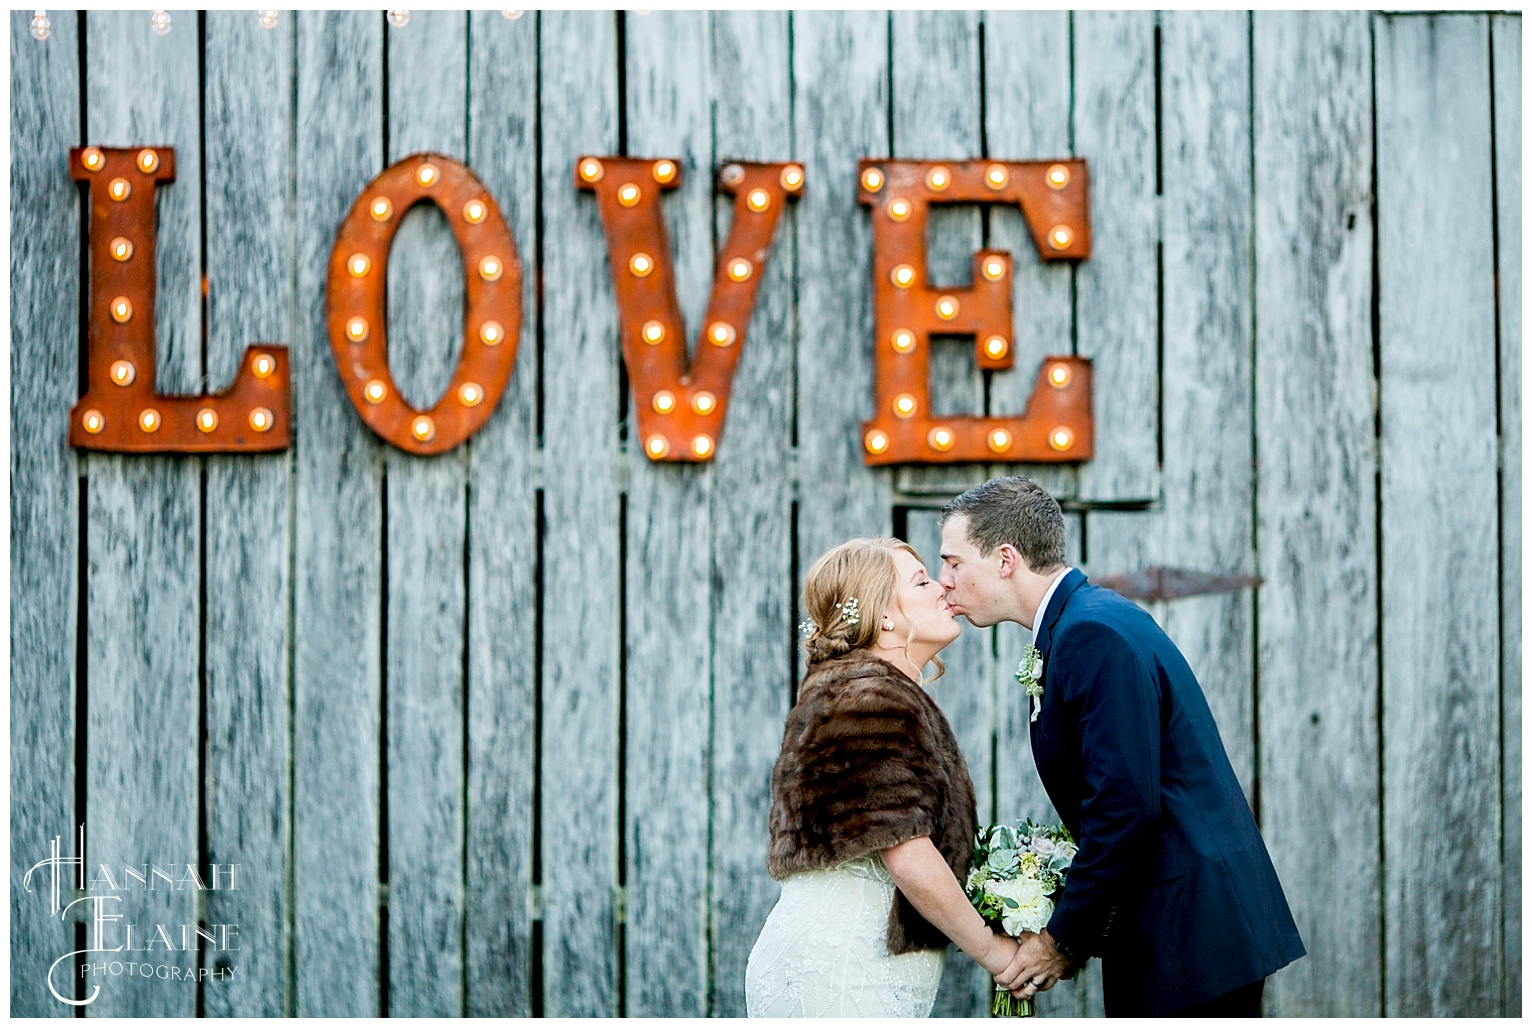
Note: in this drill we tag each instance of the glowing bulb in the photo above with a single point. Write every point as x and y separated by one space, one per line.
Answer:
591 170
994 268
995 346
1058 376
267 18
903 276
904 405
641 264
207 419
999 440
947 308
160 20
996 176
721 333
490 333
941 438
122 310
263 365
938 179
899 210
792 178
876 441
261 419
123 372
358 265
1061 439
121 248
92 159
663 171
381 209
653 333
357 330
119 190
703 403
740 269
758 200
148 160
657 446
490 268
149 419
513 15
1058 176
474 211
471 393
423 428
399 19
872 180
904 340
93 421
1060 237
664 401
375 392
41 27
426 175
702 445
629 195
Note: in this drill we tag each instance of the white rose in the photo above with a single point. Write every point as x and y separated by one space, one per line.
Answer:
1044 846
1033 907
1068 850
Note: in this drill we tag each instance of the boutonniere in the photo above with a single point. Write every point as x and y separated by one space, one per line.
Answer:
1030 674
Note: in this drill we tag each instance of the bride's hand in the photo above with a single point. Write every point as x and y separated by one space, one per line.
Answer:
1003 960
1009 977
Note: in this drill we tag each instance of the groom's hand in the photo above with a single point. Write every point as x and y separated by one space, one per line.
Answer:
1039 965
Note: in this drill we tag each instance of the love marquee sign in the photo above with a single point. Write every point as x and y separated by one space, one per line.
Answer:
681 404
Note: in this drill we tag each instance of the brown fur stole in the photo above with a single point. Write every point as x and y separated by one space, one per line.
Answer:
868 761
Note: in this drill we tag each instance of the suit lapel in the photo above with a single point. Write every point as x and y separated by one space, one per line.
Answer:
1042 638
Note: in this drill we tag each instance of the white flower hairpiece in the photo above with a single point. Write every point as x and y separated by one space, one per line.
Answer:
850 612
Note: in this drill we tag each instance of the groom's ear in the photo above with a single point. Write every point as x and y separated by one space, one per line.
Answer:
1010 559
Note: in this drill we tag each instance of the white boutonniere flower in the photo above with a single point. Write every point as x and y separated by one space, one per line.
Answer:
1030 674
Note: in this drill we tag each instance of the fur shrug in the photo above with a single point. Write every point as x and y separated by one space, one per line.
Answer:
868 761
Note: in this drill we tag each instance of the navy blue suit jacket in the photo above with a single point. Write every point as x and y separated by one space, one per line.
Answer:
1172 886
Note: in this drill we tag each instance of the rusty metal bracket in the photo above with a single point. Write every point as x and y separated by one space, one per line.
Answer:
1159 583
120 411
1058 425
681 406
356 315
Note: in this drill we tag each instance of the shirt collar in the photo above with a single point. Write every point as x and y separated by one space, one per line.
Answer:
1042 608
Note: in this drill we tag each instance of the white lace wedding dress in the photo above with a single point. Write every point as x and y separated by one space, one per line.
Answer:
822 951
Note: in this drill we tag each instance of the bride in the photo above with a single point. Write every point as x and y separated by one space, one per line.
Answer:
872 812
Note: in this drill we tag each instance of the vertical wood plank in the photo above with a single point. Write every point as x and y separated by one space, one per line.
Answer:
1208 481
1441 633
1026 117
250 269
1505 43
338 588
503 547
840 114
144 525
424 528
46 280
669 560
1117 290
753 636
581 597
1316 503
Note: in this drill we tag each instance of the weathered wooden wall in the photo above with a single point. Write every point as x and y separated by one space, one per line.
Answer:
490 733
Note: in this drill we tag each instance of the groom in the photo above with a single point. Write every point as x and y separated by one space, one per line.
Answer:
1172 886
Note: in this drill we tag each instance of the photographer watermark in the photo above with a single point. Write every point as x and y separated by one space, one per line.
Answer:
141 951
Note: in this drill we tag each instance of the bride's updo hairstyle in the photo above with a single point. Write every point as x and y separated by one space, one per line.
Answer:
859 570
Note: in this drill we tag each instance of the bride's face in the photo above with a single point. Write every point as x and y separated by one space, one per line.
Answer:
922 607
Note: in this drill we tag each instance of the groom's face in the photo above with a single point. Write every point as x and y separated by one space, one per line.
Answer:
971 579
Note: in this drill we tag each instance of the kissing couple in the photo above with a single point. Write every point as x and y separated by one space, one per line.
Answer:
873 818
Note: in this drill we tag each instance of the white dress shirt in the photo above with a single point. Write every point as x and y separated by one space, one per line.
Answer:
1042 608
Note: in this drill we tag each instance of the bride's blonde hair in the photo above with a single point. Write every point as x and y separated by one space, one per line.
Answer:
845 593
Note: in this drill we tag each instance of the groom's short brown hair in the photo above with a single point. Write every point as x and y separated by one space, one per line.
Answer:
1013 510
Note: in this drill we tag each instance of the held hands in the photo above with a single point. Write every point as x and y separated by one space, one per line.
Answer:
1036 967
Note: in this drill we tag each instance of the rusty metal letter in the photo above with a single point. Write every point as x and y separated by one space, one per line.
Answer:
356 314
120 412
1057 425
681 408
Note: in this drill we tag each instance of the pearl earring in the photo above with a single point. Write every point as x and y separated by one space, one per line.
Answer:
888 626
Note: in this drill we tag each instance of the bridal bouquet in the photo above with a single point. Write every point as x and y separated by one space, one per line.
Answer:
1017 872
